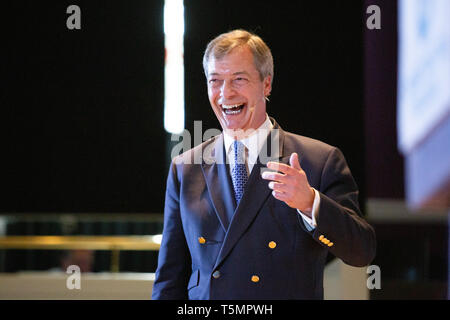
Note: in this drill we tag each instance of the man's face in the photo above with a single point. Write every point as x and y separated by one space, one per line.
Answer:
236 92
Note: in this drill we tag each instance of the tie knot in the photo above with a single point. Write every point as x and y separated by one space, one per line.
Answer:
239 152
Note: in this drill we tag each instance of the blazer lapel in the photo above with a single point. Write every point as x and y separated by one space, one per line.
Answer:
255 194
218 181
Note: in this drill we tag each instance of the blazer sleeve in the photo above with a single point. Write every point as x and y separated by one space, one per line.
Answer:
174 261
339 218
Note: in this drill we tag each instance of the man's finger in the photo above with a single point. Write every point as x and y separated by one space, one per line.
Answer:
294 162
280 196
278 186
275 176
286 169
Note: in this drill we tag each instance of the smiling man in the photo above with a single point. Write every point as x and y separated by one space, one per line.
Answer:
237 90
238 226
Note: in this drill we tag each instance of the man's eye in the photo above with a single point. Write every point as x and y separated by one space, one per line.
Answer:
214 81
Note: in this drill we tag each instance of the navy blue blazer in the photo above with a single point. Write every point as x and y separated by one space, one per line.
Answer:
265 251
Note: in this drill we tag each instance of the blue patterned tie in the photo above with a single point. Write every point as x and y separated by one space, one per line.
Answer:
239 170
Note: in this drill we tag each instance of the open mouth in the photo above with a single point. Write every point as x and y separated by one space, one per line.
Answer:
233 109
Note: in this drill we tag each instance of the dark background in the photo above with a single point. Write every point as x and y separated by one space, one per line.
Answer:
82 110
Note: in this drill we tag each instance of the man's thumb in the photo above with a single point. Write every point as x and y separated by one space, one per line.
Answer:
293 161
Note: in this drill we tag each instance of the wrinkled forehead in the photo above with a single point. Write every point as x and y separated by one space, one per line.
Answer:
236 61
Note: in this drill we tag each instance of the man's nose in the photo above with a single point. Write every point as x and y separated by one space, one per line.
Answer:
227 91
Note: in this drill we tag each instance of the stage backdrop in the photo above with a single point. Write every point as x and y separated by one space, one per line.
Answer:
82 110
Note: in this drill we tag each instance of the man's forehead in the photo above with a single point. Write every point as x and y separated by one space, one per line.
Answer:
225 66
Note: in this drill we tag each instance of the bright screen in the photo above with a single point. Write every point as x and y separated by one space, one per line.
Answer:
424 69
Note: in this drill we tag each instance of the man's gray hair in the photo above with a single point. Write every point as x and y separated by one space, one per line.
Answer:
224 43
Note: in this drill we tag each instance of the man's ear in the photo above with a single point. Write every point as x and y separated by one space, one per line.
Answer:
267 85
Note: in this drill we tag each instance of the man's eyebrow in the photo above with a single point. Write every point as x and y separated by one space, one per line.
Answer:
234 74
240 72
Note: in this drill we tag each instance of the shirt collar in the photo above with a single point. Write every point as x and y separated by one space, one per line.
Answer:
254 142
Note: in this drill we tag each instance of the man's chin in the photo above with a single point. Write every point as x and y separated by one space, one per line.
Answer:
231 124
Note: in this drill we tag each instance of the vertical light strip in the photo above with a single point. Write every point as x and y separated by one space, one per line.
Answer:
174 66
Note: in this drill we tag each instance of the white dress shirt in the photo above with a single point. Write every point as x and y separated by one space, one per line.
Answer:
254 143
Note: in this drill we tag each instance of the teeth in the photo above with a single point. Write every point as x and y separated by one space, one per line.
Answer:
230 106
232 112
